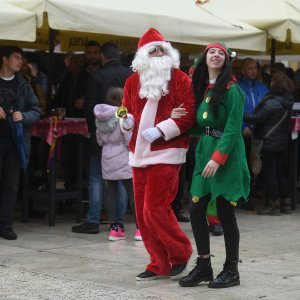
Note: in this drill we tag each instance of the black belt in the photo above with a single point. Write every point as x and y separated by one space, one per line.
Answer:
213 132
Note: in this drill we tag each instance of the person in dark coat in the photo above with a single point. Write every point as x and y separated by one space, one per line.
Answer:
18 103
274 151
93 64
66 90
112 74
73 91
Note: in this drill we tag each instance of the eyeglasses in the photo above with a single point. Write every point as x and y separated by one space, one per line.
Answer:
158 49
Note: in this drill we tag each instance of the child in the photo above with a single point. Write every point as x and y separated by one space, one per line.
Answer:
114 160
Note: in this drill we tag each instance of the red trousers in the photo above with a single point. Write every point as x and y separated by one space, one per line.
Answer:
155 188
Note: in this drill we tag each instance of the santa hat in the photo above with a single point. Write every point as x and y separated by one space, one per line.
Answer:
230 54
151 36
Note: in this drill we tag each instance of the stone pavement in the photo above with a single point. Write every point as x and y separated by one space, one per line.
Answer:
54 263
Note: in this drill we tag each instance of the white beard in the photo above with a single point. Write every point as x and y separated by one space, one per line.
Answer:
155 74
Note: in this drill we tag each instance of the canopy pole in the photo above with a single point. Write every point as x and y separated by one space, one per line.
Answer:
52 34
273 52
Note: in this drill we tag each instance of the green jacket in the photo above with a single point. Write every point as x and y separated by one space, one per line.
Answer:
232 180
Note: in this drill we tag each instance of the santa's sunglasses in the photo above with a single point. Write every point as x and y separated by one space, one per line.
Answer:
157 49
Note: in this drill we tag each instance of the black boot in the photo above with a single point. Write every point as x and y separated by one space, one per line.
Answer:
201 272
286 207
274 210
228 277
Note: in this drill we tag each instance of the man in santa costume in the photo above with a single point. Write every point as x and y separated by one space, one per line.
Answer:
157 149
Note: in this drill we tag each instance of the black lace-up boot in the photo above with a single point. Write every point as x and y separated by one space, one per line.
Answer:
201 272
228 277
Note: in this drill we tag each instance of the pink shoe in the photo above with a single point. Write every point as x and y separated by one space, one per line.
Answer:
116 233
137 236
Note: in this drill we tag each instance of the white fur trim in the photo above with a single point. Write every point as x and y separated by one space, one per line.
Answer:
142 147
143 155
169 129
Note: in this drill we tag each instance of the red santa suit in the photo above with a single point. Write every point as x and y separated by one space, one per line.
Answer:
156 165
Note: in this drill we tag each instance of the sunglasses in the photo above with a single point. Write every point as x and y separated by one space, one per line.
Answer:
158 49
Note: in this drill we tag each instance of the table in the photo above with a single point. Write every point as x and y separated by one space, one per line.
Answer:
45 128
295 129
51 129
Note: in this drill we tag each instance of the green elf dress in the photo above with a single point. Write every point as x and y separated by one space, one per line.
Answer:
232 179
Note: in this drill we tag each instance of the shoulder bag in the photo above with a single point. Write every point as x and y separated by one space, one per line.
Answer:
256 147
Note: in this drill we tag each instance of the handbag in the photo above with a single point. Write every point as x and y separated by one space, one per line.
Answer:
256 147
256 164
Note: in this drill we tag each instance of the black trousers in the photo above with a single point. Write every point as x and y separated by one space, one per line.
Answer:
274 172
9 180
226 215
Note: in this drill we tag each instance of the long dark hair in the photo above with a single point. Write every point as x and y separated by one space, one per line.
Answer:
281 84
200 81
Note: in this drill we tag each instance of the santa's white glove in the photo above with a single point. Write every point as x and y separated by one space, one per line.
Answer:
127 123
151 134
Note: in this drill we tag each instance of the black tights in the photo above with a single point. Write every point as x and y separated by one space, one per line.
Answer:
200 227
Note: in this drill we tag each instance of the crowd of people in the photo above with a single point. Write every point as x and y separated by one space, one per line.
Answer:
174 130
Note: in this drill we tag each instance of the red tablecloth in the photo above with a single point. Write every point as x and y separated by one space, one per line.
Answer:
295 124
47 129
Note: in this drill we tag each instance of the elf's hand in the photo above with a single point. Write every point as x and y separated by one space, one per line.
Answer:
210 169
151 134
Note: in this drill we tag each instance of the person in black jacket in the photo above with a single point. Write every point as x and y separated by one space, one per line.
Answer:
17 104
73 89
66 90
112 74
265 116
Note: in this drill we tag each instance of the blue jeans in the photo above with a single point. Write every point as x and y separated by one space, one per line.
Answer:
96 194
95 189
122 200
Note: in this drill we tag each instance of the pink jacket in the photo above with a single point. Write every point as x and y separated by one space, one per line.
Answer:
115 151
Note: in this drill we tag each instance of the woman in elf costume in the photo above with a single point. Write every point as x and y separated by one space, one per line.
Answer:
221 174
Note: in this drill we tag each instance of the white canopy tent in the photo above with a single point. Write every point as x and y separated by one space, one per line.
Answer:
16 23
278 18
273 16
179 21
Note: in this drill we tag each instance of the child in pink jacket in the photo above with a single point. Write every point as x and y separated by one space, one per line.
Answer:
114 160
